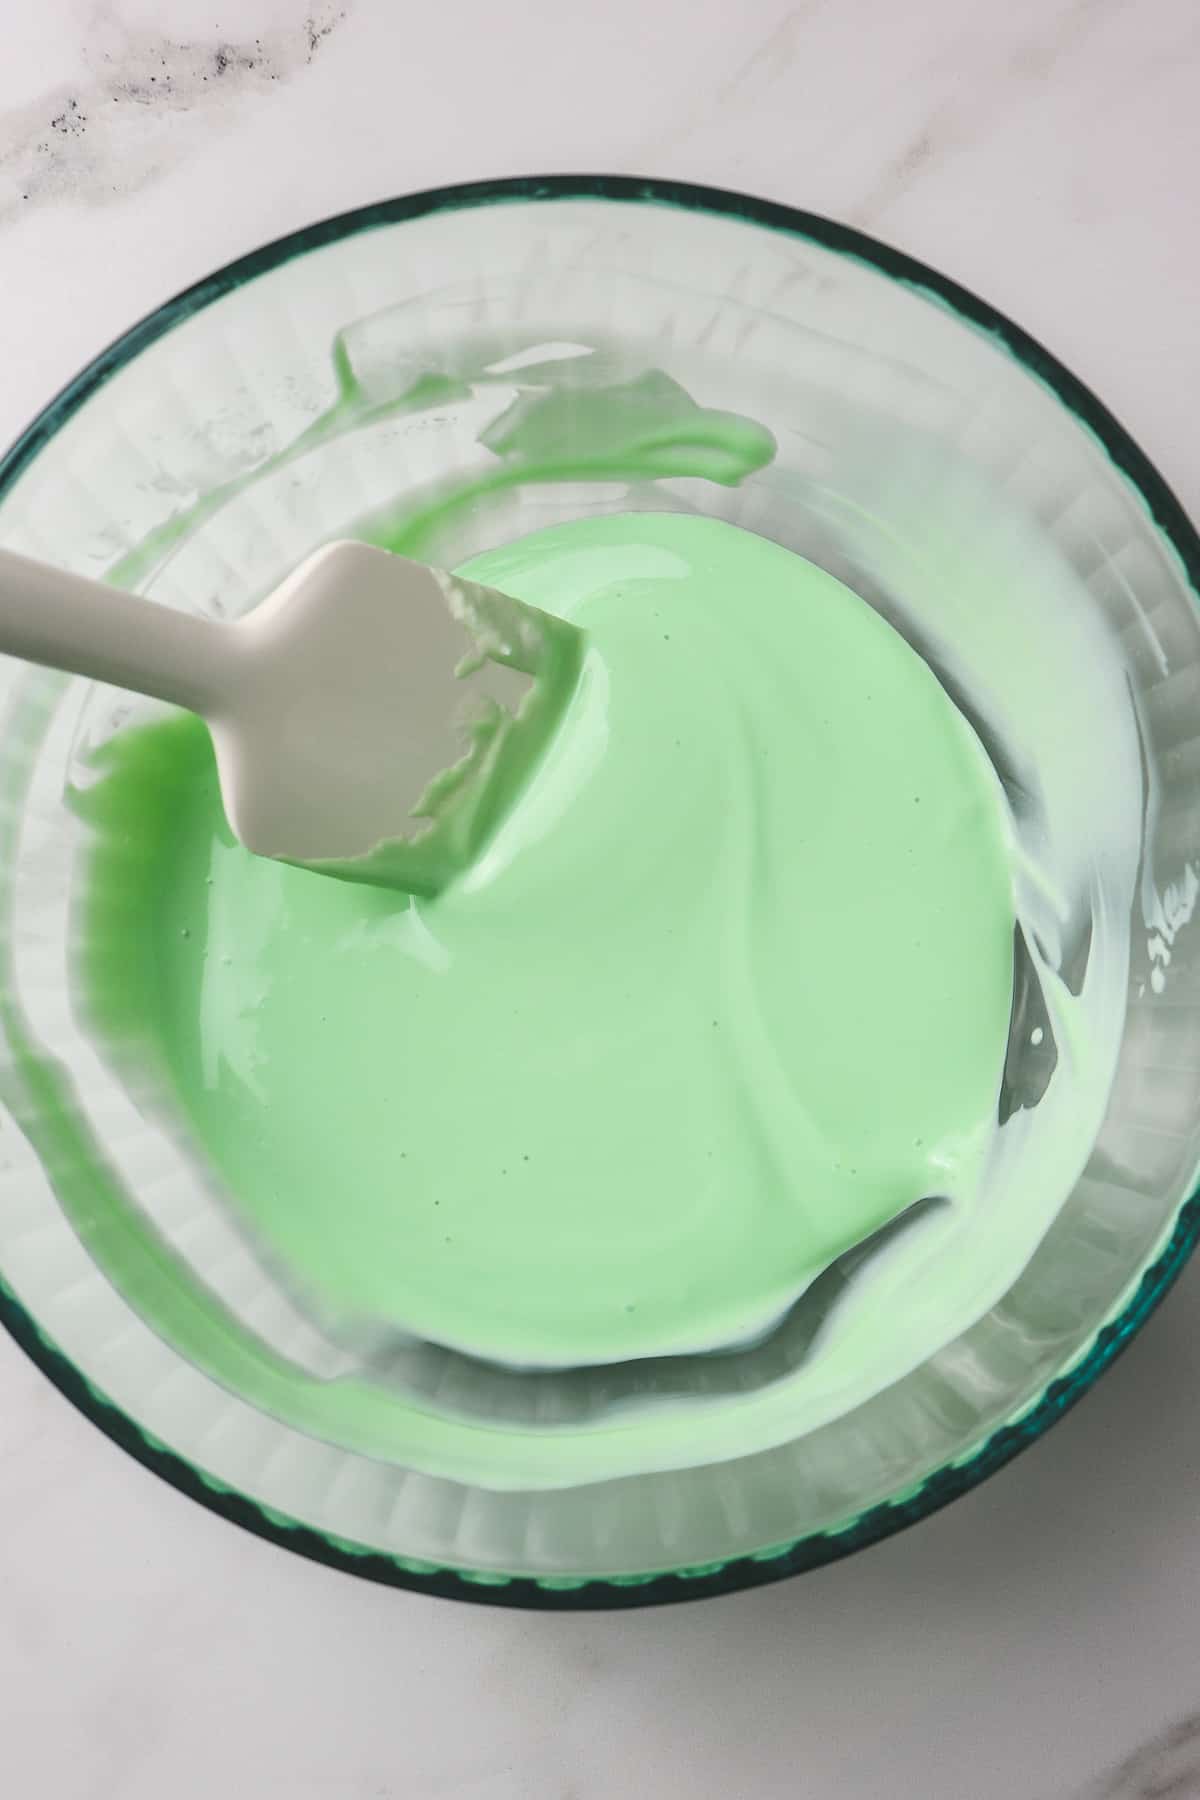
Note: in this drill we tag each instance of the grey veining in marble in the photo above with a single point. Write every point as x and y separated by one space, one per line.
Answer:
103 138
1165 1767
958 117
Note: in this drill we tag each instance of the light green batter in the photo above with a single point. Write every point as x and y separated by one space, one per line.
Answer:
729 990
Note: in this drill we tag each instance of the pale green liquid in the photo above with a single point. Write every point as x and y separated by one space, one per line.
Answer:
729 991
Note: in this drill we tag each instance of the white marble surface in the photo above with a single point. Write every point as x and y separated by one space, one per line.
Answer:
1042 1637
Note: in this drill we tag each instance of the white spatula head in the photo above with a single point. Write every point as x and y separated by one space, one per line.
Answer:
372 718
381 716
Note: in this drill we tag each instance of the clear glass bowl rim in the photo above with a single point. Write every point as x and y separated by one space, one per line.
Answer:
944 1484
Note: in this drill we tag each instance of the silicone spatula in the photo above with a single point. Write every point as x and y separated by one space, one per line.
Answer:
372 717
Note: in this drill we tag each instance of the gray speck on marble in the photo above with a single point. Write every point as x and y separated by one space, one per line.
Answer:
955 119
758 71
936 132
1035 59
769 59
127 121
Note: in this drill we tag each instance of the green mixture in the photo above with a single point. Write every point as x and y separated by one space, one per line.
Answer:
727 992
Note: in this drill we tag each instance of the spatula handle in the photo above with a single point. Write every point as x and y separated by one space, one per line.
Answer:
88 628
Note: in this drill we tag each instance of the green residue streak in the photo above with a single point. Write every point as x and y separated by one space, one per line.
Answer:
633 429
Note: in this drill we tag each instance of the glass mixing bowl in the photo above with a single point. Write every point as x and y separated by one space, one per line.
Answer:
413 370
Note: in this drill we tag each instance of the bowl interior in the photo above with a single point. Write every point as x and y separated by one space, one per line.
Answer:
443 376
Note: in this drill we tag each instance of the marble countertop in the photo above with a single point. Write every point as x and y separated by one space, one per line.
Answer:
1040 1638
